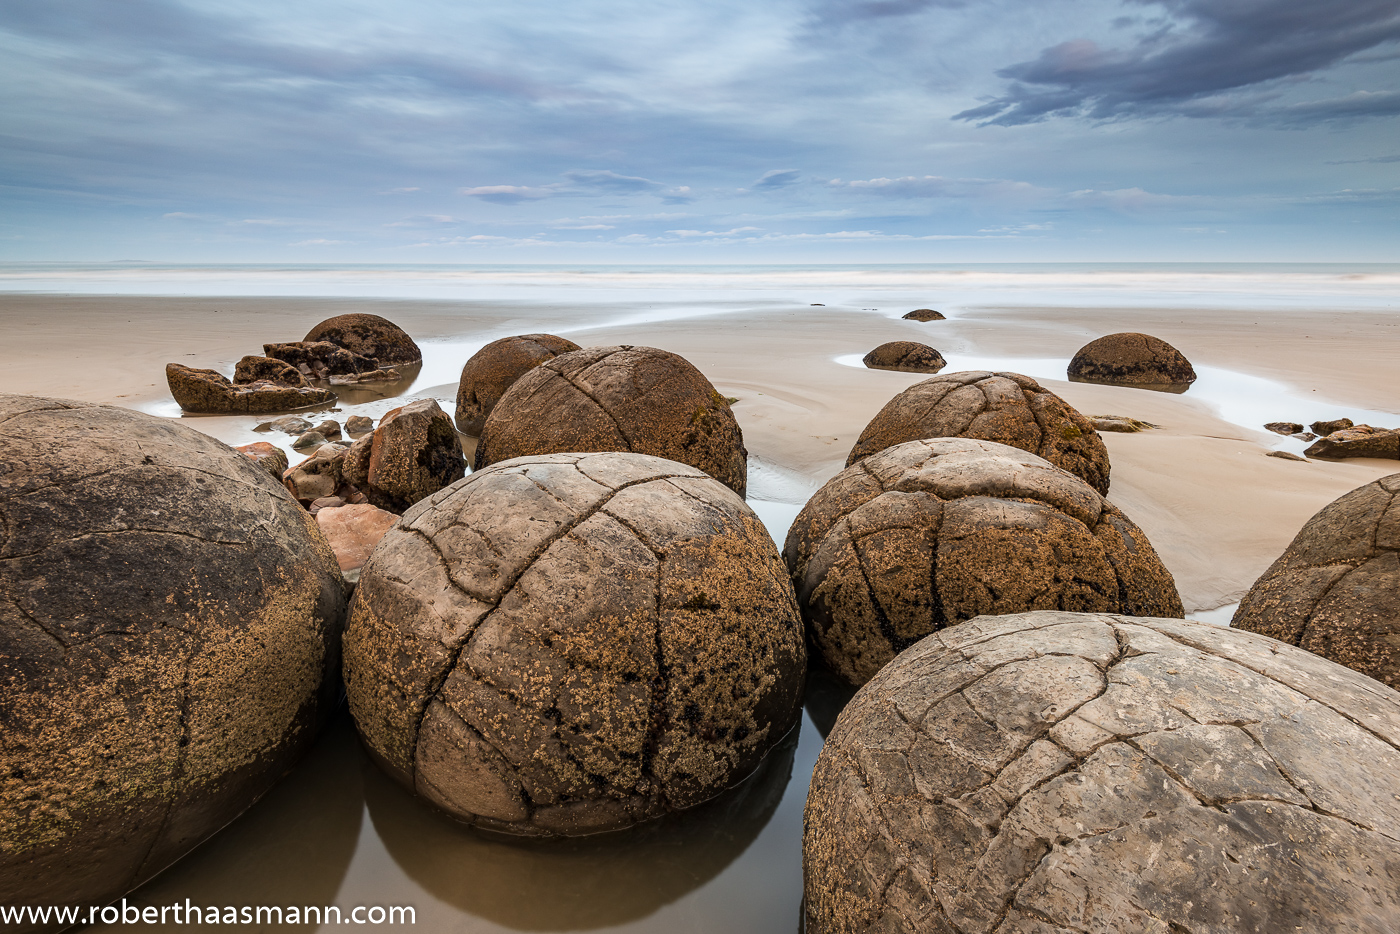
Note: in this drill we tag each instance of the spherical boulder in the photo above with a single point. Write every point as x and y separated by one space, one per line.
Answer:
622 398
907 356
1007 408
927 534
1053 772
494 368
924 314
574 643
370 336
169 636
1335 590
1131 359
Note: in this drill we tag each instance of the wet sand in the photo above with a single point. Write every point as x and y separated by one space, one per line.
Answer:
336 832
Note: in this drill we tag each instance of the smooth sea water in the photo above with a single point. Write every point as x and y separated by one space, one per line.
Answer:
336 831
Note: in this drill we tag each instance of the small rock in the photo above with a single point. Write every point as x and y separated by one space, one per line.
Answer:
287 424
267 456
1304 436
325 502
353 531
330 428
1287 455
359 425
309 441
372 376
319 475
905 356
1326 428
1119 423
1284 428
924 314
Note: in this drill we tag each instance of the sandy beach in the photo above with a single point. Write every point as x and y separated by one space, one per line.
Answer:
1216 508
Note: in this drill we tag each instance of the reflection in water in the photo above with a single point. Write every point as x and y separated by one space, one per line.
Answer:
581 883
826 696
291 848
1177 388
360 393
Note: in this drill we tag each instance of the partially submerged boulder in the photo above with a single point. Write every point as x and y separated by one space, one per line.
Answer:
324 360
379 339
257 369
1357 441
1335 590
287 424
1007 408
907 356
169 637
618 399
1132 359
413 453
1325 428
928 534
574 643
494 368
1054 772
924 314
267 456
1284 428
359 425
209 392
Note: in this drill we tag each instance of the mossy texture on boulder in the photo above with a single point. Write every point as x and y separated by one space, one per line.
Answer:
209 392
1007 408
574 643
906 356
1132 359
494 368
1056 772
1335 590
169 635
370 336
621 398
931 533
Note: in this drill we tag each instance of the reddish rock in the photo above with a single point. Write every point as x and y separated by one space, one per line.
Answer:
413 453
267 456
353 531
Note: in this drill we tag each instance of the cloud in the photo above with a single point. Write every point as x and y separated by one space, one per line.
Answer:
320 243
842 12
425 220
1358 104
584 226
399 191
1391 158
606 180
777 178
1203 48
1130 200
937 186
507 194
711 233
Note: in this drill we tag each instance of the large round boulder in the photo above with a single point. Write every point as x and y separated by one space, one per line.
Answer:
379 339
1132 359
1007 408
906 356
1055 772
927 534
169 636
622 398
574 643
1335 590
494 368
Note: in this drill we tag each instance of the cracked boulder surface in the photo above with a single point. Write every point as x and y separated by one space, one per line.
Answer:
1007 408
622 398
413 453
574 643
1335 590
1050 772
494 368
370 336
1132 359
906 356
928 534
169 635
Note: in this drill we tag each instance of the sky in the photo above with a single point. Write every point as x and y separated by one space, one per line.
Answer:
723 131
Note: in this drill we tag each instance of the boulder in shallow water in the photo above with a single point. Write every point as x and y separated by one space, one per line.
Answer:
169 638
359 425
287 424
254 369
413 453
321 359
927 534
1132 359
1284 428
573 643
1335 590
907 356
1007 408
924 314
330 428
1055 772
379 339
208 392
1357 441
1326 428
309 441
267 456
494 368
622 398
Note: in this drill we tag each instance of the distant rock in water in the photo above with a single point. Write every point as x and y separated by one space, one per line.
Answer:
1284 428
1357 441
494 368
1130 359
924 314
907 356
370 336
170 626
208 392
1326 428
1335 590
359 424
287 424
